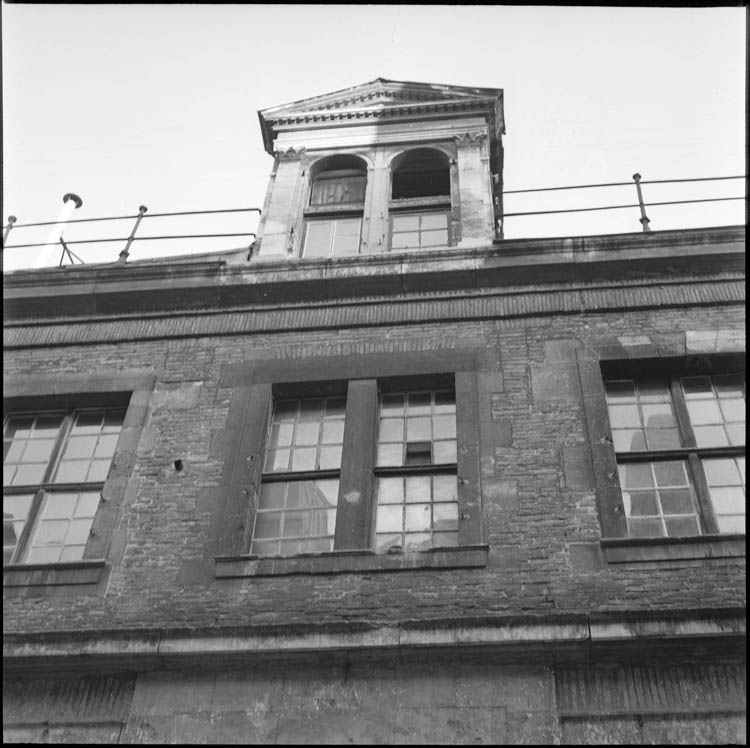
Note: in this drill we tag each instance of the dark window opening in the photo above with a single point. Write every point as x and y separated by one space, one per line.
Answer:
421 173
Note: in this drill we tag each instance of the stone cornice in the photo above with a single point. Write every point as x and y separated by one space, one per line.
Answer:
703 256
552 637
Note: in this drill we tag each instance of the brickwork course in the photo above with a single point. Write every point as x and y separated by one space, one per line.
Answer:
537 629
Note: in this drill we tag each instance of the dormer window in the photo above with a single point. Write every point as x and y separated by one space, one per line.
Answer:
420 200
333 219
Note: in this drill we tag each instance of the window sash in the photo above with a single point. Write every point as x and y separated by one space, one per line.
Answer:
359 456
423 230
718 510
90 449
332 237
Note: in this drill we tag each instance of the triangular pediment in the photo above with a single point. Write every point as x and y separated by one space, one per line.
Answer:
379 99
380 94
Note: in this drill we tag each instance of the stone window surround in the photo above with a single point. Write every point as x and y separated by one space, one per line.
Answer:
129 388
617 547
377 205
252 398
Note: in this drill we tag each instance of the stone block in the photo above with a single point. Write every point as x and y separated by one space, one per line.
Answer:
555 384
577 468
586 557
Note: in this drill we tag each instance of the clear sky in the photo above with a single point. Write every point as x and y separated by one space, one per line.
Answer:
157 105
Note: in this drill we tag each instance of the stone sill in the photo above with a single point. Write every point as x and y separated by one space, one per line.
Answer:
68 572
631 550
340 562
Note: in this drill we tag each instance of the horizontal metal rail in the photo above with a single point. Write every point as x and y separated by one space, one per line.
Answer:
149 215
619 184
617 207
135 239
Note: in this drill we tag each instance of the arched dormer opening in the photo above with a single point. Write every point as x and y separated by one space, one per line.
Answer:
333 218
420 172
420 205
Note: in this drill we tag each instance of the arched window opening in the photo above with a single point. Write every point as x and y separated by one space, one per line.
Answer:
422 172
333 220
420 200
338 180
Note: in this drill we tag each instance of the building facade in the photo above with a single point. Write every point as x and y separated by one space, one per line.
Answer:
384 477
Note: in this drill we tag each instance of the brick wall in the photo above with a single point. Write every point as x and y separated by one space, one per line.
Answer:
539 505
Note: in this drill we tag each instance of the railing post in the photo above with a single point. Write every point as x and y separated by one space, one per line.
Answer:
11 221
644 218
122 259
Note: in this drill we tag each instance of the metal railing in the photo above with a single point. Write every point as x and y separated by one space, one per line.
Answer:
142 210
142 214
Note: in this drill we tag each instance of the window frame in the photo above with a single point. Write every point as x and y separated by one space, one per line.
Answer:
255 384
47 487
605 357
688 452
320 217
129 390
399 212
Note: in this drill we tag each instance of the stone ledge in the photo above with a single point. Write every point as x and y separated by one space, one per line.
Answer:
339 562
63 573
630 550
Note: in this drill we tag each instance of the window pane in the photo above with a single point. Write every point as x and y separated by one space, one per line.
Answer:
333 432
318 237
88 423
417 488
670 473
418 429
722 472
445 516
434 238
330 458
676 501
303 458
623 416
307 433
620 390
106 446
72 472
736 433
645 528
445 452
384 541
417 541
78 532
640 503
389 518
628 440
405 241
445 488
281 435
390 490
696 387
703 412
88 503
345 242
419 404
444 539
15 513
417 518
728 499
271 496
405 223
391 405
79 446
391 429
732 524
444 427
678 527
662 438
390 455
61 505
434 221
710 436
653 391
658 415
27 475
730 385
635 475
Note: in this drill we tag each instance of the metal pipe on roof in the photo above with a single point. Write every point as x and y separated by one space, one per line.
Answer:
71 202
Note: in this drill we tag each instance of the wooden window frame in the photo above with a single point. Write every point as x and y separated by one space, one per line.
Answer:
327 216
129 390
353 546
442 208
618 546
46 486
